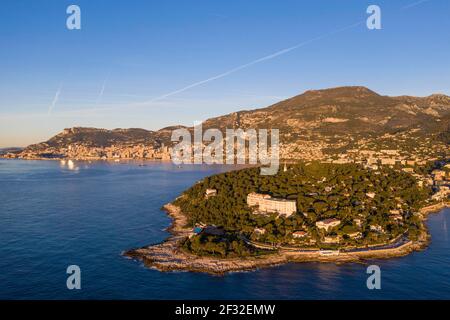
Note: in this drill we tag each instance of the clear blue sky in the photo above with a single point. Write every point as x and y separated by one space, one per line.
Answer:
116 70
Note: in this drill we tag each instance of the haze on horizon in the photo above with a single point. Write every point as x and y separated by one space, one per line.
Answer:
150 65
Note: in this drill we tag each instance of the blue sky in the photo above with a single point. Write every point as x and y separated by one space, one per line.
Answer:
118 69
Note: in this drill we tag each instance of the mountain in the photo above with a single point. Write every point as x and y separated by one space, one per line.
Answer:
100 137
318 123
94 137
312 125
356 111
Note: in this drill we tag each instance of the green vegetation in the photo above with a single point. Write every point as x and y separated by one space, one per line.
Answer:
321 191
227 246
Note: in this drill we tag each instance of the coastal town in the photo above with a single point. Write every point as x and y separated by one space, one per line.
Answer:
421 154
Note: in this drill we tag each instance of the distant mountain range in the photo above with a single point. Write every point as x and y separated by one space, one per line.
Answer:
317 121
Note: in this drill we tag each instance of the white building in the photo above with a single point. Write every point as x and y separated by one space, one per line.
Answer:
299 234
328 224
210 193
266 204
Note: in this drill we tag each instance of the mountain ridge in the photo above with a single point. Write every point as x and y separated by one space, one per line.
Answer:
322 119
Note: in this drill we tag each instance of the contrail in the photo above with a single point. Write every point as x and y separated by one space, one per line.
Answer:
269 57
262 59
414 4
100 95
265 58
55 100
102 90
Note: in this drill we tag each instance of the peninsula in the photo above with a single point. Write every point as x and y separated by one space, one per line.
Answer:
310 211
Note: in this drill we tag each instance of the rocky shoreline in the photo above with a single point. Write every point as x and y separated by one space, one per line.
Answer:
167 256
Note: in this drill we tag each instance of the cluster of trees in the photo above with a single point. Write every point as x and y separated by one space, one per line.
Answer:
321 191
228 246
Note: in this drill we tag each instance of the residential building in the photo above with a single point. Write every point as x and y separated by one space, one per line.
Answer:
328 224
264 203
210 193
299 234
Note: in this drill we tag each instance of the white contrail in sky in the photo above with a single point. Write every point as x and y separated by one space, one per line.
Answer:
268 57
414 4
55 100
236 69
100 95
265 58
102 90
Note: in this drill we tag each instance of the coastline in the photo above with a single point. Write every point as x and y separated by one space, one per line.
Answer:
167 256
84 159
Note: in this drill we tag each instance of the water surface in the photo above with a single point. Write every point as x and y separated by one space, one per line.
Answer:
54 215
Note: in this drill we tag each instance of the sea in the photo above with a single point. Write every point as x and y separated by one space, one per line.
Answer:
56 214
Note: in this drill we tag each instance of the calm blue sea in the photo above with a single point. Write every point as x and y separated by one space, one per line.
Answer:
54 215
